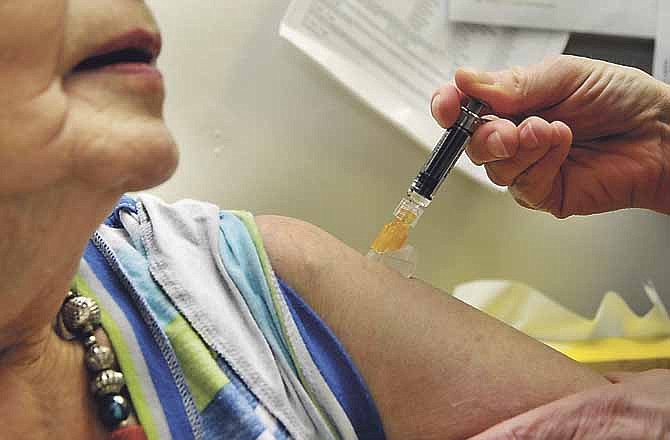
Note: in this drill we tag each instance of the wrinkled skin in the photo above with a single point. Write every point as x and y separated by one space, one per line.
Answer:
77 123
70 145
575 137
636 406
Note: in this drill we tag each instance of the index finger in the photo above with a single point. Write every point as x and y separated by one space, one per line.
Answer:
496 140
445 105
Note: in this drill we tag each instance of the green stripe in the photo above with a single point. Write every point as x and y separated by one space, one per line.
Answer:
203 375
248 220
125 360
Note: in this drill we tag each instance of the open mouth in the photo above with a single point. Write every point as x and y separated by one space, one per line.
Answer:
130 55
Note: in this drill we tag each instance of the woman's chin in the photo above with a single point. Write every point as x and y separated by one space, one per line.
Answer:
154 171
136 159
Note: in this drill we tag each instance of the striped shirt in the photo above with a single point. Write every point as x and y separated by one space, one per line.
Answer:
212 344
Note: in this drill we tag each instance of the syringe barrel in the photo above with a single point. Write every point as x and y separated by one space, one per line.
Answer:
448 150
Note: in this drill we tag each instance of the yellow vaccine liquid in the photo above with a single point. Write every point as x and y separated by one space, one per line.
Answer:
394 234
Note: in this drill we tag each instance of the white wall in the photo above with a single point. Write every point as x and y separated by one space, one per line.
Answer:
262 128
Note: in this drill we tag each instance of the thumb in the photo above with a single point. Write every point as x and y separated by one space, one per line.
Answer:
525 90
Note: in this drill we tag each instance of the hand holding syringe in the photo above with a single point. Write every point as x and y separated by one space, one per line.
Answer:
446 153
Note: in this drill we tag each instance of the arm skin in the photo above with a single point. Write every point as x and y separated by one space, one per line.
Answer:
437 368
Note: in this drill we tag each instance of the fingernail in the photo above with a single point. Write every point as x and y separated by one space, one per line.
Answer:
528 136
496 146
556 131
434 105
481 77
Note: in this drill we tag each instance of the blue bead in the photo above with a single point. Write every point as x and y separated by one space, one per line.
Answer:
114 409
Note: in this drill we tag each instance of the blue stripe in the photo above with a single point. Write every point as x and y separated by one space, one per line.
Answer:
126 203
166 389
336 367
231 415
241 261
136 268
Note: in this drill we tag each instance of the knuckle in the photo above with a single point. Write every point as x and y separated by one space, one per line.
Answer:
604 406
617 404
559 214
497 176
474 153
520 83
519 196
519 79
601 415
527 194
478 153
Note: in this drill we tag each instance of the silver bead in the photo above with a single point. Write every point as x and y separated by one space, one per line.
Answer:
107 382
61 329
89 341
99 358
80 314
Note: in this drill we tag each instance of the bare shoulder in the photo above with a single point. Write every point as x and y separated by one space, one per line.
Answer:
294 246
307 257
285 234
338 282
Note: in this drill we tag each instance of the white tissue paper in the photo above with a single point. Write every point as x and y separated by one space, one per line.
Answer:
393 54
531 312
616 339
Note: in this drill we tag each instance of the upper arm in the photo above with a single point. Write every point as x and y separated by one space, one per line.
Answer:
436 367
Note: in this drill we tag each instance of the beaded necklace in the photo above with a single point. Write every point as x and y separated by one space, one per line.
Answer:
78 318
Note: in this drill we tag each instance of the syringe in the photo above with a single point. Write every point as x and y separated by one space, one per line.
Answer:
420 194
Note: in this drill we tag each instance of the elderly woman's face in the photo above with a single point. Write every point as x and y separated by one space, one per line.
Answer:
81 98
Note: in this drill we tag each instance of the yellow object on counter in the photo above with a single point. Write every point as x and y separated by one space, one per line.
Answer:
615 339
618 354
